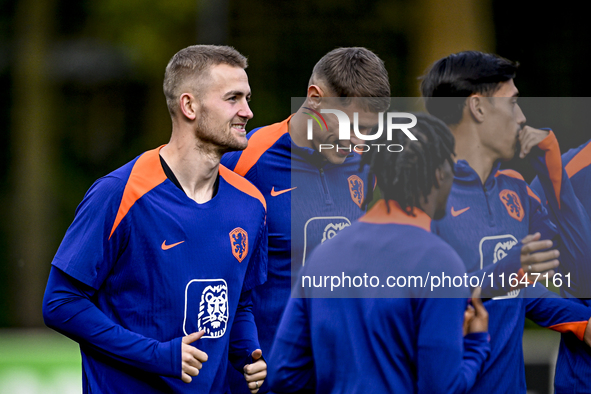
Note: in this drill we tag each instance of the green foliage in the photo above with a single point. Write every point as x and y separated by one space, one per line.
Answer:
151 32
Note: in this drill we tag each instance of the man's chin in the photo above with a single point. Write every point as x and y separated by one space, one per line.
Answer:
334 158
236 146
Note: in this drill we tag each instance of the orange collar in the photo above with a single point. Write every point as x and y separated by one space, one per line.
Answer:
379 214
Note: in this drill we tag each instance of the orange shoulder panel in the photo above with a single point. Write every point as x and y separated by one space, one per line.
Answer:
258 144
580 161
516 175
510 173
242 184
146 174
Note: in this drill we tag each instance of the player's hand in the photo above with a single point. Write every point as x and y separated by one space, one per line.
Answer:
534 261
192 357
530 137
469 314
479 322
256 372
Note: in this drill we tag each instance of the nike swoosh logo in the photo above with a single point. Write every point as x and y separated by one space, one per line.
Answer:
276 193
166 247
455 213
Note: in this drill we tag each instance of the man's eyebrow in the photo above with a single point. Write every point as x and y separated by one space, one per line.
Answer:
236 93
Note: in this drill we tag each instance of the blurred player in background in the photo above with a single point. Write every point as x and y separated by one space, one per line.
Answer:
573 366
412 342
156 269
490 209
313 187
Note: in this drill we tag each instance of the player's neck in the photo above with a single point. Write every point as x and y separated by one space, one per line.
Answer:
298 129
195 165
469 148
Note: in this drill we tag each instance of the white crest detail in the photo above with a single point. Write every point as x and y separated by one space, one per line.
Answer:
504 243
332 218
213 312
502 248
332 229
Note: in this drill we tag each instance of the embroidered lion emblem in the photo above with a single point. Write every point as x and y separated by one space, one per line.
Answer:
513 204
356 189
239 242
213 311
501 249
332 229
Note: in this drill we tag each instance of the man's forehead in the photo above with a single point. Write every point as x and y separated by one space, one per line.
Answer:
506 89
354 105
225 71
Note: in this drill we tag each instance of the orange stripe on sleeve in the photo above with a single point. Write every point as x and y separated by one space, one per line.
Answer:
516 175
578 328
553 162
146 174
242 184
258 144
533 195
580 161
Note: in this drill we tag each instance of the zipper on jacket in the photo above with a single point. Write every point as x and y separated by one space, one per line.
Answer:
327 198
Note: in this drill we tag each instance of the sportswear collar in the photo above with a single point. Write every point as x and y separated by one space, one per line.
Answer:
378 214
465 175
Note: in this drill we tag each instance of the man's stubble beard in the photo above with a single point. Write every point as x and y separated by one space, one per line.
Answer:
220 141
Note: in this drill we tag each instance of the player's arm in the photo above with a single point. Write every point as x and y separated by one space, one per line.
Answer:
447 361
291 363
530 255
564 315
84 260
68 309
245 351
566 211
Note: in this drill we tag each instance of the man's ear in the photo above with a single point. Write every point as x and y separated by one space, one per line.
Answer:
314 96
438 177
189 105
475 106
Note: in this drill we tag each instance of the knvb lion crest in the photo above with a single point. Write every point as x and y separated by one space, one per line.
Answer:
213 311
512 203
356 189
332 229
239 242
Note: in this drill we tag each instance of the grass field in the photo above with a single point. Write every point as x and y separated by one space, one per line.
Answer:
44 362
38 361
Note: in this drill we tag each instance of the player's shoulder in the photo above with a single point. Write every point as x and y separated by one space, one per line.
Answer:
515 178
260 141
510 174
115 182
243 185
147 165
578 159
